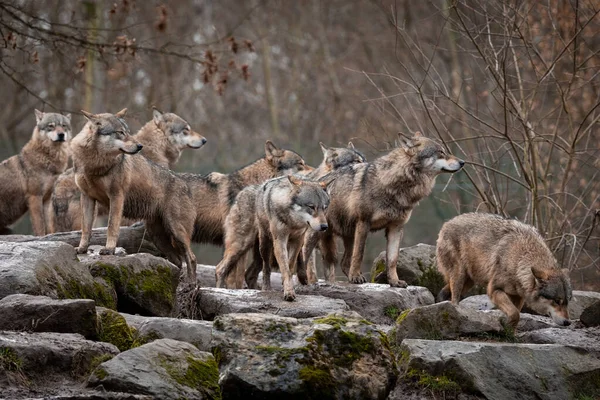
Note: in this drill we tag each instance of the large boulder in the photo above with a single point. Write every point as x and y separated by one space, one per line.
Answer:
145 284
164 369
212 302
20 312
49 269
416 265
500 370
380 304
446 321
590 316
587 339
28 361
340 356
198 333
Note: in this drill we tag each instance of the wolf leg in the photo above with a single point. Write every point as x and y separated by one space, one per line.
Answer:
504 304
265 249
311 268
253 270
280 244
394 236
87 221
235 250
114 223
347 257
329 252
358 249
36 213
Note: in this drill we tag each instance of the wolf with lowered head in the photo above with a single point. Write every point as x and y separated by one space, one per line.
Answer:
108 171
377 195
27 178
509 258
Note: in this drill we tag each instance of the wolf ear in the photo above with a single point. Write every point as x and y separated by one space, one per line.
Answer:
540 277
351 146
295 180
38 116
326 181
89 116
271 150
157 116
405 142
121 113
323 148
68 116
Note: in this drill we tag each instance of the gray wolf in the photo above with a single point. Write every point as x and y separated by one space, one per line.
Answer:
377 195
284 209
164 138
109 171
27 178
333 159
508 257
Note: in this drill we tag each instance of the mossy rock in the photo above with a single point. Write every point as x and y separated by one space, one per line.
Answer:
144 284
112 328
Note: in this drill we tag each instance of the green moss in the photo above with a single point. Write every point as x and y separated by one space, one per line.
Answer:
431 278
319 381
333 320
100 373
585 386
113 329
140 340
391 311
441 384
379 268
199 375
402 316
9 360
343 347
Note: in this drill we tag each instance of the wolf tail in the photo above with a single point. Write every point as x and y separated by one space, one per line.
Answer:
444 294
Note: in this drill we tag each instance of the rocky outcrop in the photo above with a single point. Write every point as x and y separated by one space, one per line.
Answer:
272 357
144 284
499 370
20 312
164 369
587 339
380 304
49 269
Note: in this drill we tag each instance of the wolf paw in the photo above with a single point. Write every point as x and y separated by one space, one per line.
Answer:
289 296
81 250
398 284
358 279
105 251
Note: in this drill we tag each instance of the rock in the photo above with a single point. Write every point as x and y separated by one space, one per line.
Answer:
20 312
114 329
49 269
212 302
591 315
164 369
145 284
581 300
96 395
500 370
446 321
380 304
587 339
340 356
205 274
198 333
529 322
46 353
416 265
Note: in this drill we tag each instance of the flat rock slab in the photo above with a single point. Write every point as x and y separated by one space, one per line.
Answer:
145 284
505 371
339 356
445 321
48 269
212 302
19 312
587 339
198 333
45 352
378 303
581 300
164 369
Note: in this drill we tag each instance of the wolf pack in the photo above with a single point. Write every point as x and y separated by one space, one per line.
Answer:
277 209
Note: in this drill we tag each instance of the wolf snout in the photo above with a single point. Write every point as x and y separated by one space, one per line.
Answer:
139 147
203 141
461 163
566 322
323 227
61 137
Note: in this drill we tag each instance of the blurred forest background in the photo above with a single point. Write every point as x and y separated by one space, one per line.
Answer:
511 86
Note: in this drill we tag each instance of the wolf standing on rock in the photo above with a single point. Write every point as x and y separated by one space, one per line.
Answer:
508 257
107 171
368 197
27 178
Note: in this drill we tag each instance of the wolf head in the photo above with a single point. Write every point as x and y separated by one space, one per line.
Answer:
430 155
284 161
337 157
56 127
309 202
177 130
552 294
111 133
